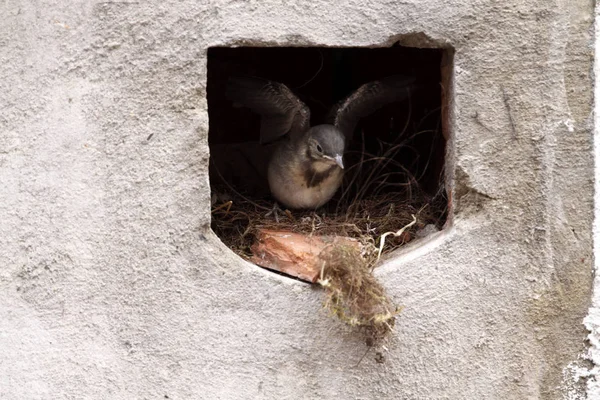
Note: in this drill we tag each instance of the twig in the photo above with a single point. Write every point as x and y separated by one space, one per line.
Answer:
322 281
224 205
396 234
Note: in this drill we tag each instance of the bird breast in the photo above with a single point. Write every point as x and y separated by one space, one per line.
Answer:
300 183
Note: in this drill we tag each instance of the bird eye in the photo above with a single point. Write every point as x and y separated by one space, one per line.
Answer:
319 148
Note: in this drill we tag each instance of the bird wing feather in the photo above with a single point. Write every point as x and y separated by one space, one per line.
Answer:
367 99
281 111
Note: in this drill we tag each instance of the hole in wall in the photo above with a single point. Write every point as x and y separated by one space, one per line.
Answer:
394 158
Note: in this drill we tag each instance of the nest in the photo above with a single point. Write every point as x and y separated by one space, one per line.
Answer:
378 197
238 220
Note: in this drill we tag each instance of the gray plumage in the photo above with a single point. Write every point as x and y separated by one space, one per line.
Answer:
306 169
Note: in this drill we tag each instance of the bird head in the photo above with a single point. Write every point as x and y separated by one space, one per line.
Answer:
326 145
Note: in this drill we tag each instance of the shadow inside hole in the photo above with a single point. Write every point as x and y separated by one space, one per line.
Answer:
396 155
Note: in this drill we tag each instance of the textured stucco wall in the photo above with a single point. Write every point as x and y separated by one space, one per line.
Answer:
113 286
592 321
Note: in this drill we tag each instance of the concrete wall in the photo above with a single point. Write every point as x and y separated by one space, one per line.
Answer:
113 286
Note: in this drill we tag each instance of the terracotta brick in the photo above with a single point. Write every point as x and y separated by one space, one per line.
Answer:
292 253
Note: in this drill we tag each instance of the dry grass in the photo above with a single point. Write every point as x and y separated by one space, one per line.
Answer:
237 220
354 295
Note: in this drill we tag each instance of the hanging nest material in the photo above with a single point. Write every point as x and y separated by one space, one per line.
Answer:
353 293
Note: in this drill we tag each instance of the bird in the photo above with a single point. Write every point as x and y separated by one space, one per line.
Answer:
307 165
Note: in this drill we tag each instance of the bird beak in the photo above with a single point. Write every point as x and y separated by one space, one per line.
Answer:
339 161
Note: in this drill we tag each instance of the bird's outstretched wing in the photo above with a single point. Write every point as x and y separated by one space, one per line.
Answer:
367 99
280 110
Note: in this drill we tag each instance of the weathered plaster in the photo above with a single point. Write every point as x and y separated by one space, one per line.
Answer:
113 286
592 321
